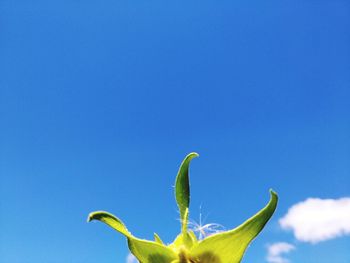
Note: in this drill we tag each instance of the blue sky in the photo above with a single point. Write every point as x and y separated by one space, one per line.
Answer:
101 100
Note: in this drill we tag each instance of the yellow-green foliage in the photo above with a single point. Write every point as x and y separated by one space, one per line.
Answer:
223 247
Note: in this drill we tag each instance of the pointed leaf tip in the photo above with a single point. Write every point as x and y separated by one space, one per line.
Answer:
194 154
157 239
273 192
89 218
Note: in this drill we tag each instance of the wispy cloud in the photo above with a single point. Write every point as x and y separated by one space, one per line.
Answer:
131 259
315 220
275 252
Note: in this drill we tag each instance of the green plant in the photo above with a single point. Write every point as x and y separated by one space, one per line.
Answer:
223 247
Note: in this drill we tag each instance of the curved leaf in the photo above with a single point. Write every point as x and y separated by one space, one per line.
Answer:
111 220
145 251
229 246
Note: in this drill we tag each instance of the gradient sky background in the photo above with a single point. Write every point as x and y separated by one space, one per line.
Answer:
101 100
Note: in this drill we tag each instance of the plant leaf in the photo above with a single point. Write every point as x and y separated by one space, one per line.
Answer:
157 239
145 251
182 188
229 246
111 220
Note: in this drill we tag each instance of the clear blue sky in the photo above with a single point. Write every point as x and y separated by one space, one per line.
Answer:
101 100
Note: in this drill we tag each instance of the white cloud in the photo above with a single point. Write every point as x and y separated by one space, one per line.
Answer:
131 259
315 220
275 251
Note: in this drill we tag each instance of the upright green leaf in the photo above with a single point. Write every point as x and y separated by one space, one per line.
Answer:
182 187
